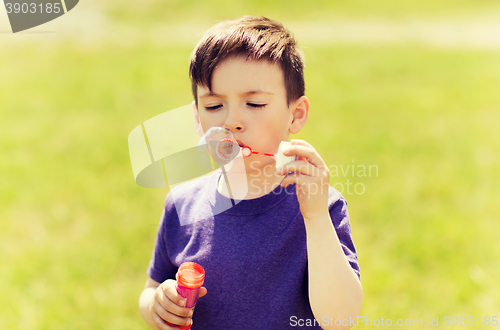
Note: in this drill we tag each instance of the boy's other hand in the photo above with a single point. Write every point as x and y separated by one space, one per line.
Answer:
168 305
311 177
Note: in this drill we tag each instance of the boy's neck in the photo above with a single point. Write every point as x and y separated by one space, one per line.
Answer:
249 185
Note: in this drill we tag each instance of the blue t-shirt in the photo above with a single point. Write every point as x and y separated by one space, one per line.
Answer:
254 254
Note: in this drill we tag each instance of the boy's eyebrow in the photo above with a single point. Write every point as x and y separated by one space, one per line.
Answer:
258 91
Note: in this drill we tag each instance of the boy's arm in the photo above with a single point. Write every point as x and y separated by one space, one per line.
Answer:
334 288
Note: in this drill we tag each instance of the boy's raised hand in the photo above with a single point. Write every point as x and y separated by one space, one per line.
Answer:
168 305
311 177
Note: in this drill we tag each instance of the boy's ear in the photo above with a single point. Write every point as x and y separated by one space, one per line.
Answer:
197 122
300 111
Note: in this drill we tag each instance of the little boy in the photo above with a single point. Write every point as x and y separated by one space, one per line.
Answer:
282 256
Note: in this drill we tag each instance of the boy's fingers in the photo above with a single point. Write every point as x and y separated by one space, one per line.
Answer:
203 291
300 142
168 316
169 289
305 181
298 179
158 320
303 168
299 167
166 298
173 309
302 152
161 324
169 306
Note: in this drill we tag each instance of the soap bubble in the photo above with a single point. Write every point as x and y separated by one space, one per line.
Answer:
220 144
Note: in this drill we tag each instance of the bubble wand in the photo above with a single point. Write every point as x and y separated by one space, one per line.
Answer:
280 158
223 148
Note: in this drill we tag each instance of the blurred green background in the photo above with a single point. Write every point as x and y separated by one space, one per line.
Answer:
409 87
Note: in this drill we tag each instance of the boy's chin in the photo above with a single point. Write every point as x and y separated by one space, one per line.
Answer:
259 163
252 165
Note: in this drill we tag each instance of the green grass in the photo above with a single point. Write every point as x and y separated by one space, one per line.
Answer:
76 233
153 12
75 227
428 119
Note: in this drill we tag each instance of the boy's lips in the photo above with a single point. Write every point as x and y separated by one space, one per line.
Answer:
241 144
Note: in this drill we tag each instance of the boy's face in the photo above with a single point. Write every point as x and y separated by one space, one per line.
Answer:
249 98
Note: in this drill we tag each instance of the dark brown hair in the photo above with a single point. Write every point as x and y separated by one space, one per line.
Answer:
257 38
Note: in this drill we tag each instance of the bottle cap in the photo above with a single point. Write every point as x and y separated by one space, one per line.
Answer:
190 275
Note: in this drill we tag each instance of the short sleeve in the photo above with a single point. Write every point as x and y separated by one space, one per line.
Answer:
340 220
161 267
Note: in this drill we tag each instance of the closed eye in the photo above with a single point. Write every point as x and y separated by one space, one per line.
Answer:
256 105
213 108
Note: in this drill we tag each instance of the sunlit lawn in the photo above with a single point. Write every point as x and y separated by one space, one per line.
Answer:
76 233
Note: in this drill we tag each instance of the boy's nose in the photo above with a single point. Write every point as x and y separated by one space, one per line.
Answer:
234 122
234 128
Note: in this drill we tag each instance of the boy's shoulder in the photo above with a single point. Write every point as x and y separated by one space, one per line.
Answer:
191 200
193 189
